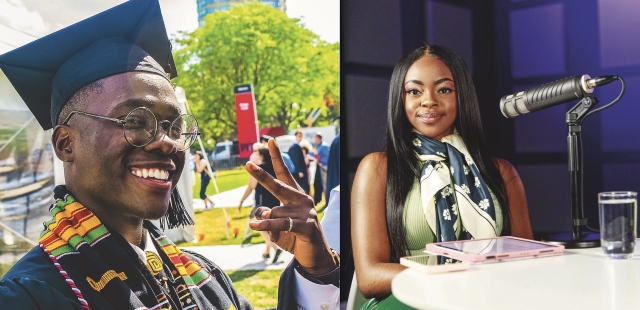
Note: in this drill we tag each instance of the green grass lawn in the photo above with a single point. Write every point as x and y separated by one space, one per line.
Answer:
210 225
260 287
226 180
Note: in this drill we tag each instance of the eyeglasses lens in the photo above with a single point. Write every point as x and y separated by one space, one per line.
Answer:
140 127
184 131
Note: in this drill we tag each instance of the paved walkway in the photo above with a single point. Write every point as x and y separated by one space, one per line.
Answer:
236 257
228 198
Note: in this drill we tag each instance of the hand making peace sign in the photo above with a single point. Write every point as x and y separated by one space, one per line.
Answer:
305 239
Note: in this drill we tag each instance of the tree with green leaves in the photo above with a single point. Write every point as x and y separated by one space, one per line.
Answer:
291 69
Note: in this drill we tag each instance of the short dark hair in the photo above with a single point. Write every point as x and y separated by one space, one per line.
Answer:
199 154
266 156
78 101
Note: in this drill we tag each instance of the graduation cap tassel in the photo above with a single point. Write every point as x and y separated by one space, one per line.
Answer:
176 214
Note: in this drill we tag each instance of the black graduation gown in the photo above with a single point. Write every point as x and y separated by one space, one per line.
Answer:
297 157
35 283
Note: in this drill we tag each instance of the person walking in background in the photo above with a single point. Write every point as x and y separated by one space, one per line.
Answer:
322 161
322 155
263 198
299 138
298 135
201 168
305 153
303 144
317 185
307 161
299 173
255 157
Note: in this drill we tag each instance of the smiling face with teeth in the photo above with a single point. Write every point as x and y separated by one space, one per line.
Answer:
151 173
430 99
120 183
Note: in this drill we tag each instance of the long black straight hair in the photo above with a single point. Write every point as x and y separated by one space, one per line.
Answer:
402 162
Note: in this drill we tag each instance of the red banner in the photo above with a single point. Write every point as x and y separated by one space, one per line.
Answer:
247 119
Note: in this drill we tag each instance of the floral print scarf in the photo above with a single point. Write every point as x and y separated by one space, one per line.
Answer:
455 199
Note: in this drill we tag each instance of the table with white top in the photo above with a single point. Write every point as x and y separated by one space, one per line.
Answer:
578 279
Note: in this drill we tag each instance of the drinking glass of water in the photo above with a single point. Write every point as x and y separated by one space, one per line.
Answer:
618 216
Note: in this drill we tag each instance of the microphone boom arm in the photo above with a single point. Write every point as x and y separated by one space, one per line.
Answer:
574 119
580 238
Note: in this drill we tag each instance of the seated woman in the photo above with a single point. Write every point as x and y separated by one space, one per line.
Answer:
435 181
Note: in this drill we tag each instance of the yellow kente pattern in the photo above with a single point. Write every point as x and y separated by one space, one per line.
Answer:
106 277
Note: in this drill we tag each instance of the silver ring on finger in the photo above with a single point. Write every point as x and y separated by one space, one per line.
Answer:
290 225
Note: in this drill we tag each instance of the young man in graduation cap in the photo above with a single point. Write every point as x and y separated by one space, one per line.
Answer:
103 85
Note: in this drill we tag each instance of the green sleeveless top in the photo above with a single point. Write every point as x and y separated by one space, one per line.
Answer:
415 222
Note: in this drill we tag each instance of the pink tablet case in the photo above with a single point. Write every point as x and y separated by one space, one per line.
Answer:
524 248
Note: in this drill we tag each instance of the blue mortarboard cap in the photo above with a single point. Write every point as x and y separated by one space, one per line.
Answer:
48 71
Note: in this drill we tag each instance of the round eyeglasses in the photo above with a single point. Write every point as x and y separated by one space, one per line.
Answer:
140 127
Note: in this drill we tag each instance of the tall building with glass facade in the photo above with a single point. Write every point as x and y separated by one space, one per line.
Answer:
207 6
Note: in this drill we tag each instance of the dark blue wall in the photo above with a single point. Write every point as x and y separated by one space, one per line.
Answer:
548 40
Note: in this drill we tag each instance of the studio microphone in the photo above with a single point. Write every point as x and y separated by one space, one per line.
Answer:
551 94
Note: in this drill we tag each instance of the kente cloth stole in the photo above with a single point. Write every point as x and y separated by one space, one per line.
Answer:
455 199
105 272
